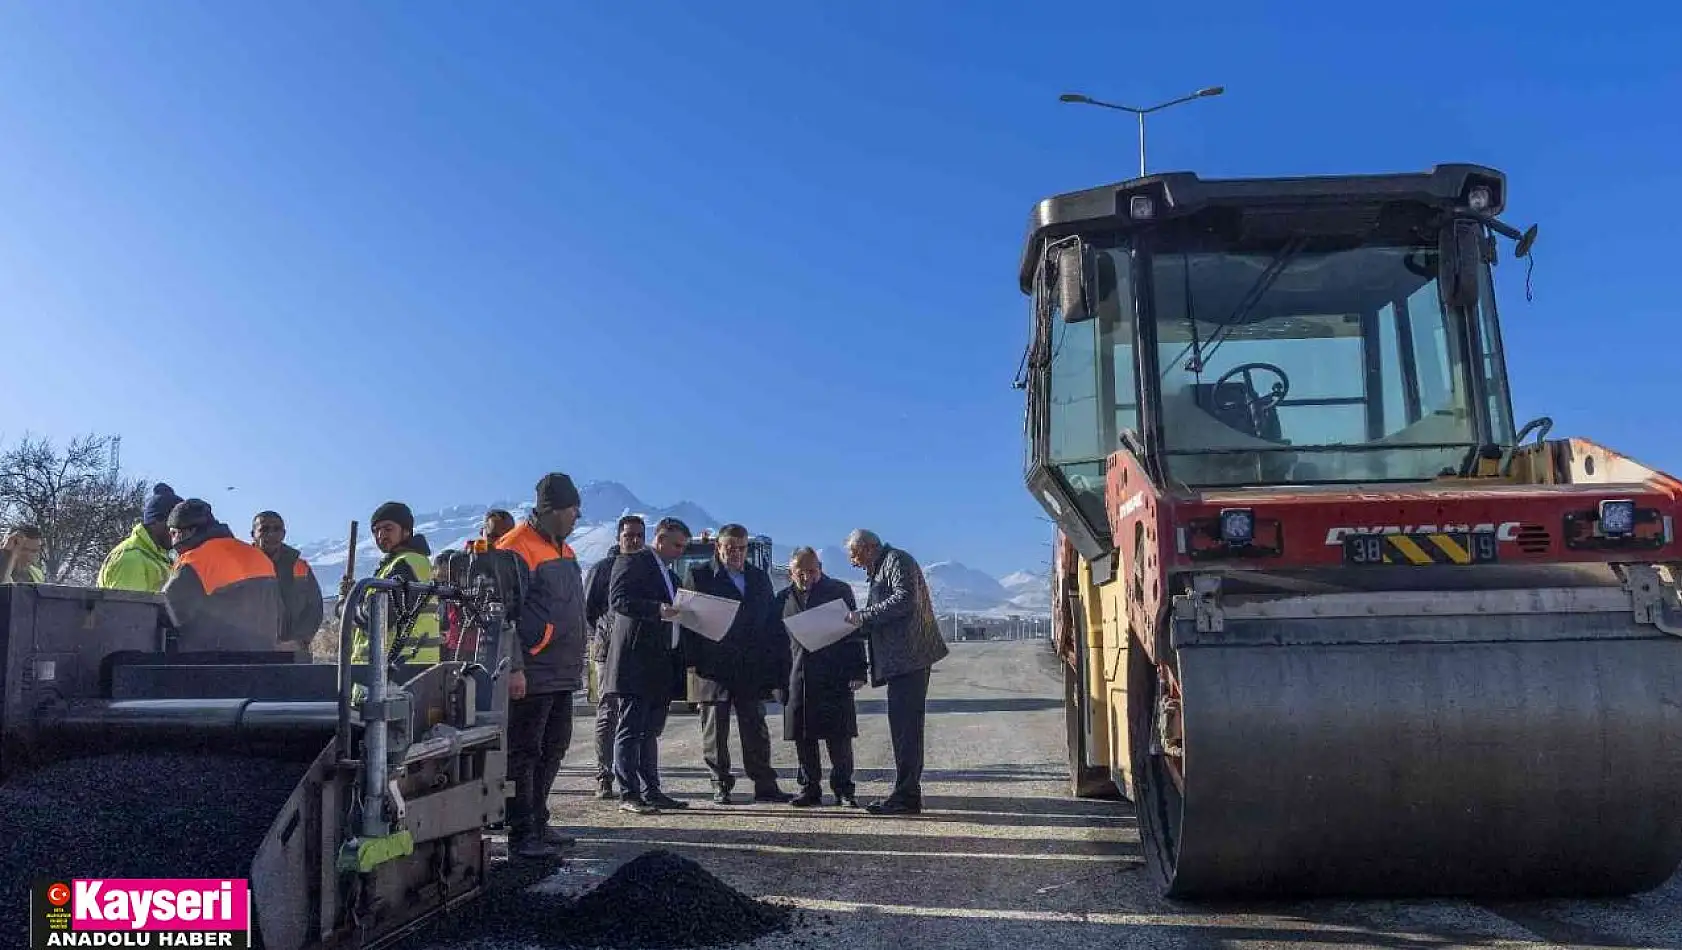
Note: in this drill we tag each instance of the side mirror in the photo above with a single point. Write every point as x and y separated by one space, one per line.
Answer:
1459 260
1070 261
1526 241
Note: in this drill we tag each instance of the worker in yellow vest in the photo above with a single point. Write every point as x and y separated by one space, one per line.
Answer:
407 557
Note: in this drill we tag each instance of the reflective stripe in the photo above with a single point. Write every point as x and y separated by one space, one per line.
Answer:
543 644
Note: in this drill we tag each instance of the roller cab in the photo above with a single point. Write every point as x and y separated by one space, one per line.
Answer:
1332 621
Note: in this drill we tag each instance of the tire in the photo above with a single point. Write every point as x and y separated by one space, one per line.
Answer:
1160 805
1085 779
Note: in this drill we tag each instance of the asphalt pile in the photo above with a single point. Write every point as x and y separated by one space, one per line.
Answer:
135 816
656 901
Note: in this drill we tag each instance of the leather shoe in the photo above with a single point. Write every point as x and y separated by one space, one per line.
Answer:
664 801
890 807
807 800
532 849
776 795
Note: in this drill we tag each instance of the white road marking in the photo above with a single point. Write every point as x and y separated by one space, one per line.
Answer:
788 849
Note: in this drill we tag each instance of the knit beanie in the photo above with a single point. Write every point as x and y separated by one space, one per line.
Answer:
191 514
394 511
162 501
555 491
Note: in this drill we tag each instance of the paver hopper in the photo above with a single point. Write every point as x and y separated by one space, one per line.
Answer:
384 776
1331 623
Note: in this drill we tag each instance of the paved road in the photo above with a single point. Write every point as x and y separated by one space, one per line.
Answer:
1002 857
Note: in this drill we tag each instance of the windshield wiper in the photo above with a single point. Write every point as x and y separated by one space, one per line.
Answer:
1252 297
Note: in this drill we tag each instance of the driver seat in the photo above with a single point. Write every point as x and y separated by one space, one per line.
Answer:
1229 402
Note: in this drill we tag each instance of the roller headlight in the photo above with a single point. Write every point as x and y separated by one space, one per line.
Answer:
1238 526
1617 518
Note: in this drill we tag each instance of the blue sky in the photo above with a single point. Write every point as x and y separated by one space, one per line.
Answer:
758 257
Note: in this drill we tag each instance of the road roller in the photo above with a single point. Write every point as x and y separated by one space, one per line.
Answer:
1333 623
353 798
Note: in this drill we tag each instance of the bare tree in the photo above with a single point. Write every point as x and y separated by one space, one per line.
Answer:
79 498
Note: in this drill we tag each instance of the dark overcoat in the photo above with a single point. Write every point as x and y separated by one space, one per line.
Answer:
753 658
820 701
640 659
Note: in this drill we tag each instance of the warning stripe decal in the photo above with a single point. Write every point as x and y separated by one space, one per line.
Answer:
1424 549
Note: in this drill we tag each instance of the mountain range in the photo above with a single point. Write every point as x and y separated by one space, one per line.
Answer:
954 587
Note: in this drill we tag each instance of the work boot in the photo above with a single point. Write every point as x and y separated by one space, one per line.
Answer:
774 795
604 789
532 848
808 799
558 838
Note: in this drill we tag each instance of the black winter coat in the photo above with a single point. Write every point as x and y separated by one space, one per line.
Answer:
753 657
596 611
300 596
640 658
820 701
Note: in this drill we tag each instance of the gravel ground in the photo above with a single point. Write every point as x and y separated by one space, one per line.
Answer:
656 901
1002 857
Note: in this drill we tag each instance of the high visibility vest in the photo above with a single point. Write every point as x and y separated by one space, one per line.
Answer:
424 643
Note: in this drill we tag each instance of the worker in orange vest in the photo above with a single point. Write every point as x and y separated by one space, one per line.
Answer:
222 593
497 523
548 662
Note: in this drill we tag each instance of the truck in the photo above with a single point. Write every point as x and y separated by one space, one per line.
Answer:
1330 621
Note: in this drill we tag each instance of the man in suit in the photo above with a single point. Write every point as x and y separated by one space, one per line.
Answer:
633 537
644 665
821 685
740 671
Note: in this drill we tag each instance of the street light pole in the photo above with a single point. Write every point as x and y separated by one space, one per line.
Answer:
1080 99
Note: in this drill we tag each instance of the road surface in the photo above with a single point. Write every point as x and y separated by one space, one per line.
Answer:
1002 857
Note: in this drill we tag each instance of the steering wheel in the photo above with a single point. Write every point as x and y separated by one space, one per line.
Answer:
1254 402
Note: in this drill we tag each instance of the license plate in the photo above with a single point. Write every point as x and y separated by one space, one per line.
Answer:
1446 547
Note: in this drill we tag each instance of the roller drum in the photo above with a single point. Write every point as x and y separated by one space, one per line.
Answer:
1453 756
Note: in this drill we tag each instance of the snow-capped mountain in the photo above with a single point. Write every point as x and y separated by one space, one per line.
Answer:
1030 592
954 587
602 504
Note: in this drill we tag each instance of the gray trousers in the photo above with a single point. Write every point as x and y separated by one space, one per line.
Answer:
756 742
607 723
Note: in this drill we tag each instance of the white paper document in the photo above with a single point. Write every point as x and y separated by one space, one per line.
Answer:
821 626
705 614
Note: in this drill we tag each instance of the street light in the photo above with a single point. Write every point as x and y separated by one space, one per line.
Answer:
1079 99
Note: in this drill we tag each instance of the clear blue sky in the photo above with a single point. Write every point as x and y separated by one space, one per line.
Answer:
752 256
